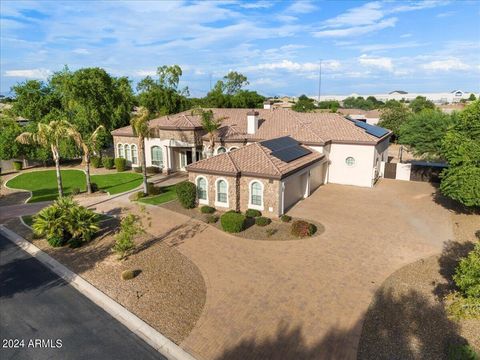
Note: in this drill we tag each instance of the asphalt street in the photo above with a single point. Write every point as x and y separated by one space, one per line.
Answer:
43 317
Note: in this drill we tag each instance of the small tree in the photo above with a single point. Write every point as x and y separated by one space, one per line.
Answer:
140 128
421 103
50 135
124 240
187 194
393 115
89 145
472 97
210 125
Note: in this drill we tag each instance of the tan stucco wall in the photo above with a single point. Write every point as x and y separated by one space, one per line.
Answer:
127 140
189 136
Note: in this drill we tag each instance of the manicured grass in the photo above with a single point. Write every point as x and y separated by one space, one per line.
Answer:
43 184
168 194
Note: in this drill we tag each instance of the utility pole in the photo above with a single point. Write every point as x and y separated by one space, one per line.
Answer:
210 78
319 80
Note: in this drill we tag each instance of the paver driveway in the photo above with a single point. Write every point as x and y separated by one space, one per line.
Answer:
304 299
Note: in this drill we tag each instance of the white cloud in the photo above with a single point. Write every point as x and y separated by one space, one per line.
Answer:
384 63
292 66
446 65
81 51
364 15
390 46
407 35
257 5
29 73
357 30
301 7
146 72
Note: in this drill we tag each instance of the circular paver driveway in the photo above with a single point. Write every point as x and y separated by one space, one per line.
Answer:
306 299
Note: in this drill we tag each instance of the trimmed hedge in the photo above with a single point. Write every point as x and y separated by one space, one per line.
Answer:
120 164
96 162
207 209
286 218
17 165
152 189
262 221
211 219
302 228
187 194
153 170
136 196
252 213
232 222
108 162
138 169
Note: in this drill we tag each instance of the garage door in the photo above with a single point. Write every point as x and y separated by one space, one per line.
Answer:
294 190
317 176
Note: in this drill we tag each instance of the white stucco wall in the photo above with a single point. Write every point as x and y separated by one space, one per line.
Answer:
148 152
403 171
381 155
360 174
317 148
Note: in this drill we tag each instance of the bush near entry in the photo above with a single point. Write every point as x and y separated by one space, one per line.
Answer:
262 221
108 162
120 164
17 165
302 228
252 213
207 209
96 162
187 194
286 218
232 222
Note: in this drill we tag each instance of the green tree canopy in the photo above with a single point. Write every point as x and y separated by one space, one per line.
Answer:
461 147
420 103
304 104
424 132
361 103
392 115
472 97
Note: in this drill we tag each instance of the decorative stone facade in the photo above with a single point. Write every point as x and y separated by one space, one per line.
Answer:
127 140
271 194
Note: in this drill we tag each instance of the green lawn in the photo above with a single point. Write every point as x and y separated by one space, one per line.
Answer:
43 184
168 194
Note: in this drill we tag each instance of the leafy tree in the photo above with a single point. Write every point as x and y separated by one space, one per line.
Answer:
50 135
461 147
228 93
130 227
304 104
89 144
360 103
421 103
329 104
234 82
424 132
467 274
140 129
9 148
472 97
246 99
392 115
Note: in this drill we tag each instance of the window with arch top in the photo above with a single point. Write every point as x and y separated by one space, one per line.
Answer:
256 193
202 188
222 191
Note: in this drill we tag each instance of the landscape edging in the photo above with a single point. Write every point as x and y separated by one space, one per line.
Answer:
159 342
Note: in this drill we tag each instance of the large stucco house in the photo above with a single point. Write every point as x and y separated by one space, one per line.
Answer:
266 159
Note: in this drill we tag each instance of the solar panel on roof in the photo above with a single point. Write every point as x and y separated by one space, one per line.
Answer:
279 143
291 153
376 131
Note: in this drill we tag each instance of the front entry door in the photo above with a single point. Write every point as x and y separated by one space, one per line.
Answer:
185 158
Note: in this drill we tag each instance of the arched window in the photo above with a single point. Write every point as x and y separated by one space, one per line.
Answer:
128 154
256 194
202 188
233 148
350 161
121 153
134 154
222 196
221 150
157 156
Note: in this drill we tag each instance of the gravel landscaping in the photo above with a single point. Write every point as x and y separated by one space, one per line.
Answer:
168 293
407 318
275 231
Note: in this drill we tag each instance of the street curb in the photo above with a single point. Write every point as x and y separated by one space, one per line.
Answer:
152 337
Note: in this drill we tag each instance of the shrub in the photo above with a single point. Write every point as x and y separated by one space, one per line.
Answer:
232 222
129 228
153 169
460 307
207 209
120 164
56 241
187 194
252 213
75 191
49 222
262 221
138 169
128 274
137 196
153 190
286 218
302 228
462 352
83 223
211 219
96 162
94 187
467 274
75 243
17 165
270 232
108 162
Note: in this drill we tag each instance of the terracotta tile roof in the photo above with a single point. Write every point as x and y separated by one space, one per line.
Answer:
255 160
309 128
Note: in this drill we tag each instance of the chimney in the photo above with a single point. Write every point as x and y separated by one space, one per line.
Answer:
268 104
252 121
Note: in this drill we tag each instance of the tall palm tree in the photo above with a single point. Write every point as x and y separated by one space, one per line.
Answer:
210 125
88 145
49 135
140 129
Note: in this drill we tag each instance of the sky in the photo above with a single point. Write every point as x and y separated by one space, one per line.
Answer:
364 47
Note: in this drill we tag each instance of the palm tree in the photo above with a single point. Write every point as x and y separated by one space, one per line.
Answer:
49 135
88 145
210 125
140 129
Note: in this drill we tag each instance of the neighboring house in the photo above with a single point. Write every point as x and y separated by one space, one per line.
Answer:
371 117
266 159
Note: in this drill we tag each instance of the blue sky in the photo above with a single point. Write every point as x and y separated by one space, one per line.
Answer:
365 47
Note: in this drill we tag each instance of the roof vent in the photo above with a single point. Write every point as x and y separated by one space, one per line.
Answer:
268 104
252 121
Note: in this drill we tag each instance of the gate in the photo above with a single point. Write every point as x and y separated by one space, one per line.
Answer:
390 171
